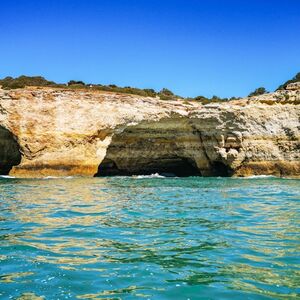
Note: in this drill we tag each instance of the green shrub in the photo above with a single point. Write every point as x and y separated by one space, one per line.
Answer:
166 92
258 91
217 99
76 82
150 92
293 80
22 81
201 98
213 99
165 97
13 85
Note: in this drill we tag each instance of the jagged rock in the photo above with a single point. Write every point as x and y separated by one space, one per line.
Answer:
75 132
293 86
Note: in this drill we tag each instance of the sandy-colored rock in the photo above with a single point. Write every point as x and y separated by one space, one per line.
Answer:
293 86
56 132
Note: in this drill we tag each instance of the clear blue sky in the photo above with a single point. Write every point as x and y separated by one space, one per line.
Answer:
193 47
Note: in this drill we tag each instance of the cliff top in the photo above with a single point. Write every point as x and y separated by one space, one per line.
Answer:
288 92
290 95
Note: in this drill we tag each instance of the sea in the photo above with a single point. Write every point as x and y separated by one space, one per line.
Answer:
150 237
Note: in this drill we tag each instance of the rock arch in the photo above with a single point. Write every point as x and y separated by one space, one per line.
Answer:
149 148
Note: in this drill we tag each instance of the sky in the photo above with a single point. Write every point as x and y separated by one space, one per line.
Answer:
193 47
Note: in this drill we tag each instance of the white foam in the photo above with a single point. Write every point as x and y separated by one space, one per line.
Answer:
50 177
7 176
58 177
156 175
260 176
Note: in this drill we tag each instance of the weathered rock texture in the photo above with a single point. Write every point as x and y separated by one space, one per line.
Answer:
55 132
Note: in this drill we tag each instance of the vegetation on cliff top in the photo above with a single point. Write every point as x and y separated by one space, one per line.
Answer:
22 81
258 91
164 94
293 80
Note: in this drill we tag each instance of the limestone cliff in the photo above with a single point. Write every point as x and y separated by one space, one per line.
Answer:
57 132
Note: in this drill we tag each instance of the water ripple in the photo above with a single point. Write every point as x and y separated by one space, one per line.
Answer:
152 238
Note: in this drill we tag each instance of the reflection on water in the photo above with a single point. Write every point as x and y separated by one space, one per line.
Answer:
152 238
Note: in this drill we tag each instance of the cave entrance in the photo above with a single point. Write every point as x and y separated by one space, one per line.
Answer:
109 168
166 166
10 154
220 169
150 148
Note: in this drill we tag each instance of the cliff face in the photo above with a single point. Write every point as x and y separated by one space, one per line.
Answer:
55 132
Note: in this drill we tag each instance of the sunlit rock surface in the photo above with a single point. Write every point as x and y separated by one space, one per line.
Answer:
56 132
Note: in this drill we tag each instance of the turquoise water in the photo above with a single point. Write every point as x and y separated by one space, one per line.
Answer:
150 238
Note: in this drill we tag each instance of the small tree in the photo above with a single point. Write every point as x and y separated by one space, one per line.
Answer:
201 98
215 98
166 92
258 91
76 82
150 92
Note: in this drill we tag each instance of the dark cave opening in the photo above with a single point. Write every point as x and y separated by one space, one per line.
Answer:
220 169
109 168
10 154
166 166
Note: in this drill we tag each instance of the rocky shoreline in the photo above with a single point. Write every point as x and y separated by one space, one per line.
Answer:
60 132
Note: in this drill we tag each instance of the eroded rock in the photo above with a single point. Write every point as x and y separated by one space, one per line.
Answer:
72 132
